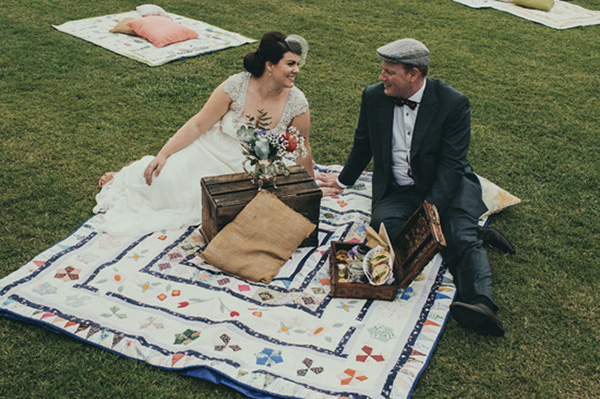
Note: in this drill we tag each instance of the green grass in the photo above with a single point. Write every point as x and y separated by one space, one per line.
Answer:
70 111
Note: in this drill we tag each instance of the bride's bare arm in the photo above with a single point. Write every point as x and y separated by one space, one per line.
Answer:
214 109
302 123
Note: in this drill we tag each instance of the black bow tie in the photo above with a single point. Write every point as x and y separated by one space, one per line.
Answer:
403 101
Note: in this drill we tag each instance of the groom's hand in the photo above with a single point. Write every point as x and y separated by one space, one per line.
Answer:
328 184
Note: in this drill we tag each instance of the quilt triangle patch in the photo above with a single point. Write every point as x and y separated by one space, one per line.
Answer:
431 323
69 324
268 380
103 335
46 315
423 337
92 331
429 330
116 339
417 353
9 301
82 327
176 357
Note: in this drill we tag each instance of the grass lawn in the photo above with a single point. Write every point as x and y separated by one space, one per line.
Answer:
70 111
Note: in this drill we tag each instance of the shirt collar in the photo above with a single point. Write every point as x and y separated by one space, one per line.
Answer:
418 96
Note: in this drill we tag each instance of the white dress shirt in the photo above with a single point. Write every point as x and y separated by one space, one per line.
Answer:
402 133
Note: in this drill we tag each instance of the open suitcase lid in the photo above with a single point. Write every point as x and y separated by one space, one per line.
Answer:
419 240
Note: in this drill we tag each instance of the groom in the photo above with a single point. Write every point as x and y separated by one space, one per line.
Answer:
417 131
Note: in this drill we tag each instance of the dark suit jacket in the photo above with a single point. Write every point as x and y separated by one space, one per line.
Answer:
438 152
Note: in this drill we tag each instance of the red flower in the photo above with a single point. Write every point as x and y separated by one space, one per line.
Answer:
291 142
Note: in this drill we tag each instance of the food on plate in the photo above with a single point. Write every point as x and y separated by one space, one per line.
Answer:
379 258
379 265
380 273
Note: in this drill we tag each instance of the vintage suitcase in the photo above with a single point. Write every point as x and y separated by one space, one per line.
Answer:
419 240
223 197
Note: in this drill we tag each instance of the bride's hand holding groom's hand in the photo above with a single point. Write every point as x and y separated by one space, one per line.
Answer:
328 184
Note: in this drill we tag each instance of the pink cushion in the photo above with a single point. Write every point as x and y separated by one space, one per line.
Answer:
161 31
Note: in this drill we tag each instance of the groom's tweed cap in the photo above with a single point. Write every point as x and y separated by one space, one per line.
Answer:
405 51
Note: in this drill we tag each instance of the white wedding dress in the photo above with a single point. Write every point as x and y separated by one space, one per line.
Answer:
174 200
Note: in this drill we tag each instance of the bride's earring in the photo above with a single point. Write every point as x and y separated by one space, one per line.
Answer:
270 73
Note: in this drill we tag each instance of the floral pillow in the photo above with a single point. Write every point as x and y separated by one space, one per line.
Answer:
161 31
495 198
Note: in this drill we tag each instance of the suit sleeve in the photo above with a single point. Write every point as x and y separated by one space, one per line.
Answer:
361 154
453 155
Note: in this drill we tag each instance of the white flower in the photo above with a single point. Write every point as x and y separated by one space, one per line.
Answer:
262 148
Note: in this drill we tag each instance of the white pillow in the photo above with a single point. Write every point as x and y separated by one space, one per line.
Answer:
146 10
495 198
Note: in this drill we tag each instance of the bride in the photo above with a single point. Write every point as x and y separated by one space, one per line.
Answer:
163 192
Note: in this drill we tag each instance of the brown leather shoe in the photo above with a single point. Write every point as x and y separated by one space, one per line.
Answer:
495 239
477 317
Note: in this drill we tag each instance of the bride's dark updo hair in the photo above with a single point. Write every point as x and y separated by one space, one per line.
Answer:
272 47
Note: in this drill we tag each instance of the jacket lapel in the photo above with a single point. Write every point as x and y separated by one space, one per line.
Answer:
427 109
386 121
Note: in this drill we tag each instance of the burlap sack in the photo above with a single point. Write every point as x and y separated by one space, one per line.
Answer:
259 240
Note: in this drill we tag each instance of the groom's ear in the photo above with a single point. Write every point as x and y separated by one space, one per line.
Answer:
414 72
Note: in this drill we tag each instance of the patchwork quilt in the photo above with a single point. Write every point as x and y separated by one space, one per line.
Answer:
97 30
153 299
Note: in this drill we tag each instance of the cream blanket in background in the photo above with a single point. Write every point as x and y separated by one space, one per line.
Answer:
563 15
97 30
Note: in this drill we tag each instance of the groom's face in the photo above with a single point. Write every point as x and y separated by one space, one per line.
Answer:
396 80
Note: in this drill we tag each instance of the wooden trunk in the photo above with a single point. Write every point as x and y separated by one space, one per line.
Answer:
419 240
223 197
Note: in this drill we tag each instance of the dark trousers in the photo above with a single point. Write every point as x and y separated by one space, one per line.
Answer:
464 254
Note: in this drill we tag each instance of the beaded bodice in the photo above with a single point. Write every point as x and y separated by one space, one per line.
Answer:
236 86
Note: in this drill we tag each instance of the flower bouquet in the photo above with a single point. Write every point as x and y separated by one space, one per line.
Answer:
266 150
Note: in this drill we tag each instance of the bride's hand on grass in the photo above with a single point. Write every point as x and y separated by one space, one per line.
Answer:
108 176
154 168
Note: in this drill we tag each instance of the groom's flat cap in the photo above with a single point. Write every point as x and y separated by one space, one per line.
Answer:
405 51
